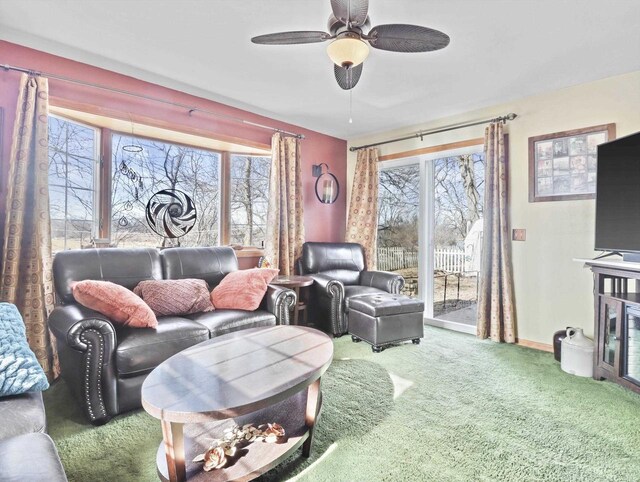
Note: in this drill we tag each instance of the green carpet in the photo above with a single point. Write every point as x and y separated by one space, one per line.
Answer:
453 408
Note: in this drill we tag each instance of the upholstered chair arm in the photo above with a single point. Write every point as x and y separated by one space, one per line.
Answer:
280 301
86 342
383 280
331 287
334 290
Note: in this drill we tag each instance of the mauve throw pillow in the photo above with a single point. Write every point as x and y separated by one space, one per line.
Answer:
175 297
243 289
116 302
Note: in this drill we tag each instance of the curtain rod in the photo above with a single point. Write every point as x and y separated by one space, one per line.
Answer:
421 134
189 108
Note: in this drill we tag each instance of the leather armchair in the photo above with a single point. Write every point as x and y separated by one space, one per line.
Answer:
339 274
104 364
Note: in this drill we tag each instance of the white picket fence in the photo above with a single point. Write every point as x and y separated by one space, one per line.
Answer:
450 260
393 258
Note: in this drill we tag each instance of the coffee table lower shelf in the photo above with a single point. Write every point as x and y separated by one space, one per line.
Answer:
252 460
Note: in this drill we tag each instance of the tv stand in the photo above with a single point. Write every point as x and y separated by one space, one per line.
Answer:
631 257
616 321
606 255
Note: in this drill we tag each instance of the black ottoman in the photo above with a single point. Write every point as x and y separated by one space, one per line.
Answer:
382 319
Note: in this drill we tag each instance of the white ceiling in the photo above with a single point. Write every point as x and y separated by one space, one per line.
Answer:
500 50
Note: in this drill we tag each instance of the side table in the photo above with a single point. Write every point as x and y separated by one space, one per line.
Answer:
295 282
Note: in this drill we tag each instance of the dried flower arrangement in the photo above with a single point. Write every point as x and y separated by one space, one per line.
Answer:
233 437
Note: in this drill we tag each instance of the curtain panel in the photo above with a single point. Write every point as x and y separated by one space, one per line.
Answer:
362 218
496 308
26 278
285 215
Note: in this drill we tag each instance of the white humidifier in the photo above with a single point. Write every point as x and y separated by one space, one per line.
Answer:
577 353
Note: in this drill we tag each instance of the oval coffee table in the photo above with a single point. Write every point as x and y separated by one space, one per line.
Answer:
257 375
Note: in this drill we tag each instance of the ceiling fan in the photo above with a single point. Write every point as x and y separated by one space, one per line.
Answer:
351 35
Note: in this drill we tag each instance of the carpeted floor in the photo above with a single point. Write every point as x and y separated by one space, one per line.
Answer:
453 408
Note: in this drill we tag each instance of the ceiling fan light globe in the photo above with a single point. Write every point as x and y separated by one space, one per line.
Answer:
348 51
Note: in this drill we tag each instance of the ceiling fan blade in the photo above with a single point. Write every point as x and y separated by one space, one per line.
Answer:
347 78
291 38
353 11
407 38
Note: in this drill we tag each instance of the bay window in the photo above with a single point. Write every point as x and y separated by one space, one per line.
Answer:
99 202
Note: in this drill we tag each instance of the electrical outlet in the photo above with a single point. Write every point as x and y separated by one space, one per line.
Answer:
519 235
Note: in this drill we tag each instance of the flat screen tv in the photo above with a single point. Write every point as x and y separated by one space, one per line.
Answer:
618 195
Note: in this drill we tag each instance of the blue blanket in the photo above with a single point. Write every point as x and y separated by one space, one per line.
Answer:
20 371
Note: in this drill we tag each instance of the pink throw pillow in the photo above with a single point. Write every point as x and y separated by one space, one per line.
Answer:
115 302
175 297
243 290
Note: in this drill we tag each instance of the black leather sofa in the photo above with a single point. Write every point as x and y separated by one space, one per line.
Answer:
103 363
26 451
339 273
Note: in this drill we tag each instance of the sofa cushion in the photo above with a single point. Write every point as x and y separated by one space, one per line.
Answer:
115 302
175 296
208 263
243 290
20 371
123 266
340 261
31 456
220 322
140 350
20 414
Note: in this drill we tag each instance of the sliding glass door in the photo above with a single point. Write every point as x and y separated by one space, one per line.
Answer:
430 231
399 223
458 194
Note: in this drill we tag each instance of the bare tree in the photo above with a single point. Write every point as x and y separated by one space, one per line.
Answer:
249 198
135 177
398 206
458 196
163 166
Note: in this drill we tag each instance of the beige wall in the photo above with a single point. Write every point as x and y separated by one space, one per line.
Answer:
552 291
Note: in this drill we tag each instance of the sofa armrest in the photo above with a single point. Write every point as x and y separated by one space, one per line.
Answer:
327 285
334 290
86 342
280 301
383 280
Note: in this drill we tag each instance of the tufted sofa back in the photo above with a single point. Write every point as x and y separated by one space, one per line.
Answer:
123 266
210 264
127 267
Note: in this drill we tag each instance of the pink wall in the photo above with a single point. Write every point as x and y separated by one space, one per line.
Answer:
322 222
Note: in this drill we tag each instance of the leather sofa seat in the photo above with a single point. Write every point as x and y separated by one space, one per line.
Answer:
140 350
220 322
21 414
30 457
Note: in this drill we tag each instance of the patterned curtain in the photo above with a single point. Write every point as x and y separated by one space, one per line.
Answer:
362 218
496 310
285 215
26 278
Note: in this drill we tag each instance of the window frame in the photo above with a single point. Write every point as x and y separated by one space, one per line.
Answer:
97 166
103 176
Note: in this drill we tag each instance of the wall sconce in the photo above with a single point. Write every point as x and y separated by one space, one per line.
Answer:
326 191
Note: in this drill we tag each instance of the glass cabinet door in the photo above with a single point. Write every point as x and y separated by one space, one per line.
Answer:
610 318
631 339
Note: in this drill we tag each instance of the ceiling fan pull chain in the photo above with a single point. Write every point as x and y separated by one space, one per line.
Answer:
350 106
